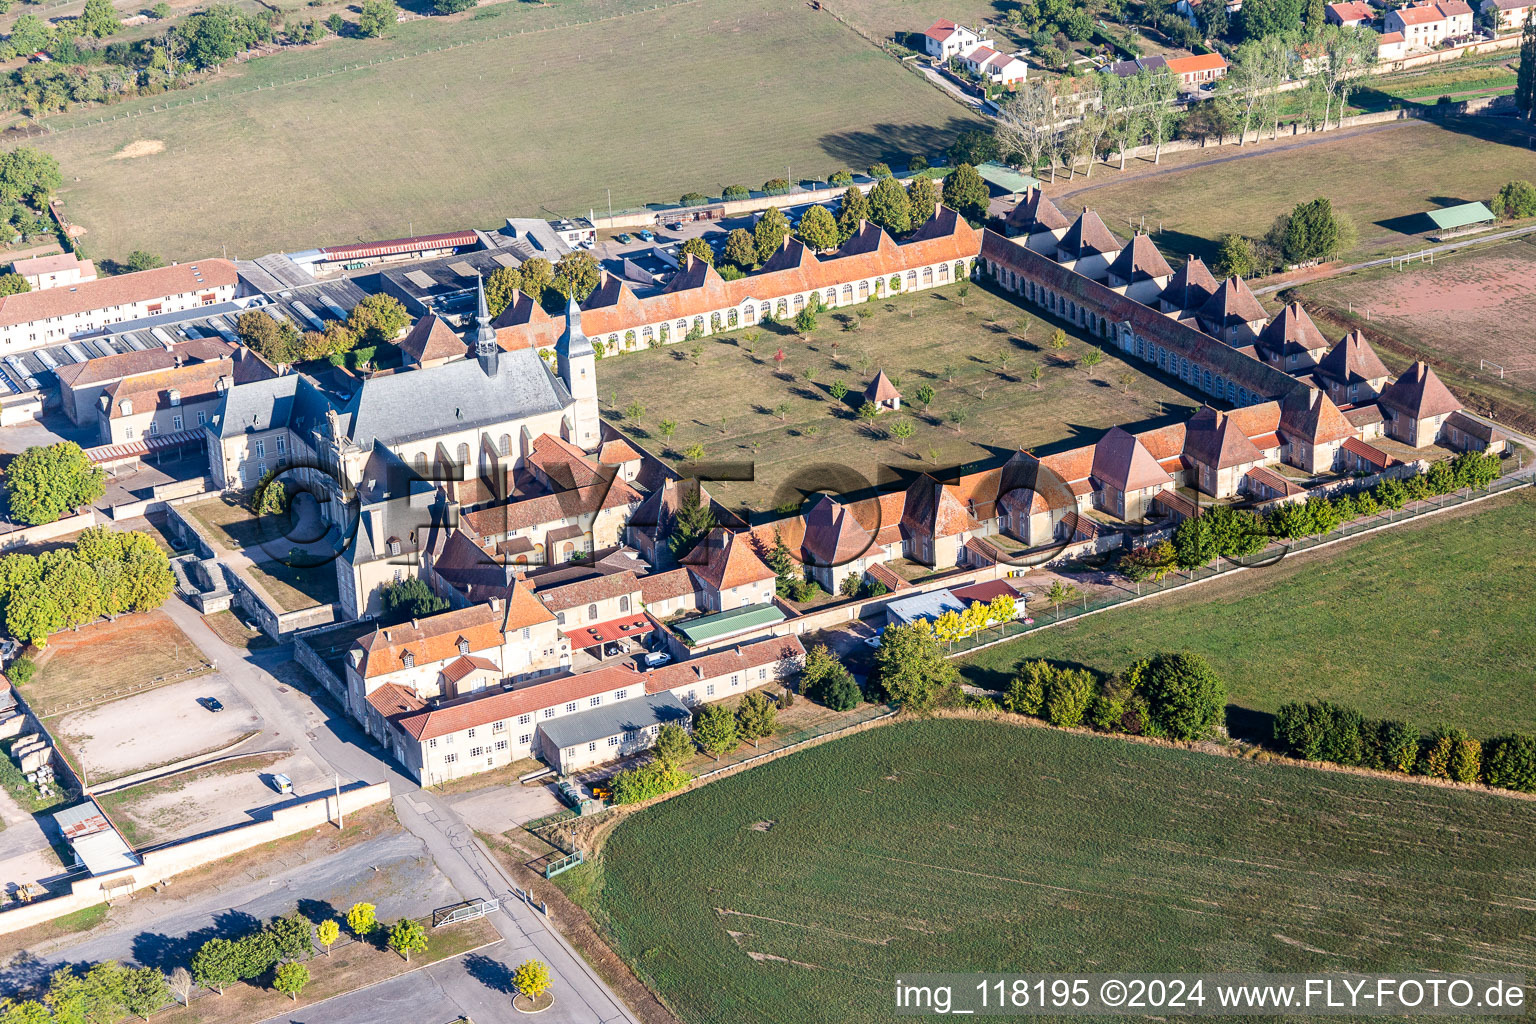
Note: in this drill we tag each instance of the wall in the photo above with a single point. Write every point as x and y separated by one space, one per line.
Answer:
48 531
733 208
164 496
166 861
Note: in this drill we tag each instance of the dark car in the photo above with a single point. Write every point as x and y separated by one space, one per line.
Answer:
211 703
676 225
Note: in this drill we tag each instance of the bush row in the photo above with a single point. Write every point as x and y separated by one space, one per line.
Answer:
1324 731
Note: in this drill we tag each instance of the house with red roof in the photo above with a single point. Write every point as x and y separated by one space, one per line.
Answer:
1508 15
1350 13
1430 24
945 39
1197 69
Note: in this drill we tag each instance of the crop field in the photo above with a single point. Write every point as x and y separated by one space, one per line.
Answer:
1465 308
1425 622
1460 160
798 891
458 125
977 357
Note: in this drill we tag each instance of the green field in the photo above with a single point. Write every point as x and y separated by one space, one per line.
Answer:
1427 622
1429 165
913 338
971 846
647 103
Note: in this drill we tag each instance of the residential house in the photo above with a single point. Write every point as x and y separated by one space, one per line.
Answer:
1392 46
82 384
1197 70
1427 25
1508 16
1291 341
994 66
1416 406
44 272
1350 13
945 39
1351 371
1140 271
729 572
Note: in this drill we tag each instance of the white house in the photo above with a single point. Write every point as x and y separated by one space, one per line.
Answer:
945 39
1508 15
1427 25
1003 69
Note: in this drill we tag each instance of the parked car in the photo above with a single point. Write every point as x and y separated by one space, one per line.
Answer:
211 703
648 235
872 641
623 238
655 658
676 225
8 650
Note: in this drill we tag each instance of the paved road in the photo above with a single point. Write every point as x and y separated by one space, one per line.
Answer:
336 744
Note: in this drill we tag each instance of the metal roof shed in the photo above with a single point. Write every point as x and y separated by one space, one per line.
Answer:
1006 178
722 624
1465 215
922 606
95 842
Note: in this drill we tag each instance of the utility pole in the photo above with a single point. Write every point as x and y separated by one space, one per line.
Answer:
341 818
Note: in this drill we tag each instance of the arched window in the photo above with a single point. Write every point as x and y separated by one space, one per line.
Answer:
764 309
591 611
783 307
714 321
420 463
682 327
847 293
959 269
647 333
730 318
911 279
629 338
624 602
698 324
505 447
799 303
613 342
559 618
863 289
927 275
463 455
831 296
943 271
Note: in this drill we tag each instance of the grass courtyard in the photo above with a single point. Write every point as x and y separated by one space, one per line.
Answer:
458 124
95 661
1425 622
808 884
975 352
1459 160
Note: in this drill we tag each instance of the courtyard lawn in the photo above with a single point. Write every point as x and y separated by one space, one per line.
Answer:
458 124
976 352
1427 622
92 663
798 891
1460 160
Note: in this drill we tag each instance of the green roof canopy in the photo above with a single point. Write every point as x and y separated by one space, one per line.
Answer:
1460 216
737 620
1005 177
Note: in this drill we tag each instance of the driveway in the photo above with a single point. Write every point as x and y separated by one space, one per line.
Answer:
502 808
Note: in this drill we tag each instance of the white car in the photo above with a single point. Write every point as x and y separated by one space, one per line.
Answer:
872 641
655 658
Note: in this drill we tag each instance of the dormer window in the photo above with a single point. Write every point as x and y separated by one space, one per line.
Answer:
394 547
463 646
408 659
175 396
126 407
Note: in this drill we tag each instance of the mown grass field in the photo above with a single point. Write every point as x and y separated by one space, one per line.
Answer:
646 103
971 846
1426 622
913 338
1428 165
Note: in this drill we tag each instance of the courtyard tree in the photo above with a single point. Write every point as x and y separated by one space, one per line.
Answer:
499 288
805 321
274 341
1092 358
378 319
291 978
578 274
46 483
410 599
407 937
769 233
714 729
673 747
699 250
912 670
694 519
756 716
818 229
740 249
537 273
1236 257
889 206
966 192
923 196
13 284
853 209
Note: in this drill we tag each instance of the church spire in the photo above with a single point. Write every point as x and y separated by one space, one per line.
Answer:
486 349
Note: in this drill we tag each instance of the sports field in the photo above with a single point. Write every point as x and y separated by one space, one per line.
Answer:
460 125
1428 165
1465 308
798 891
977 357
1426 622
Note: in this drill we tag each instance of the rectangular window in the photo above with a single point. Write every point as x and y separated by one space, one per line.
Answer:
523 739
202 417
282 444
525 633
762 673
709 691
501 744
571 706
595 701
450 758
620 695
499 727
592 745
432 743
154 428
549 712
477 752
176 422
524 719
261 448
613 741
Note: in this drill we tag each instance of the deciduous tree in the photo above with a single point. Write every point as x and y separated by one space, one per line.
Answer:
889 206
291 978
44 484
499 288
817 229
378 318
911 667
966 192
769 233
577 275
714 729
740 249
407 937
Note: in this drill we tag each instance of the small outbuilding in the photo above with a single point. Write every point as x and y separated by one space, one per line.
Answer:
96 843
883 393
1460 219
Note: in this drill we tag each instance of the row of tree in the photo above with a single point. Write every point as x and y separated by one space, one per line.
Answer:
576 274
374 321
717 730
1221 531
105 573
1325 731
1171 695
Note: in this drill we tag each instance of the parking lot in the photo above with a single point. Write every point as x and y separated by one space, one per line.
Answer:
156 727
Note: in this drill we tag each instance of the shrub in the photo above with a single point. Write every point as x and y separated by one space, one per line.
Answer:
1510 762
1067 696
22 670
1392 746
1142 564
1106 712
736 192
694 199
776 186
1186 700
1435 753
1026 694
1466 764
839 692
647 781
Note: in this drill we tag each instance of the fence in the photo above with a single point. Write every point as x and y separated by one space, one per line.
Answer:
123 691
1085 605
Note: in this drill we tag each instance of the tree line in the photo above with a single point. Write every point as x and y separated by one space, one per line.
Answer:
105 573
717 730
1337 733
1222 531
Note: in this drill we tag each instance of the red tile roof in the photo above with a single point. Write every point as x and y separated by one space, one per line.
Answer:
725 560
464 664
122 290
1419 394
1370 453
1352 359
712 666
468 713
607 632
1196 63
614 453
1121 461
1274 481
887 576
590 591
663 586
432 339
435 638
881 389
149 391
393 699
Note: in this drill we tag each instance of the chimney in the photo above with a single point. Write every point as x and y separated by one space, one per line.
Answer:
386 636
495 604
415 624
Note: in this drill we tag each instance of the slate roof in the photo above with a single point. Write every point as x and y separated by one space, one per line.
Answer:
1140 261
1352 360
432 339
1418 394
616 718
291 400
455 396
